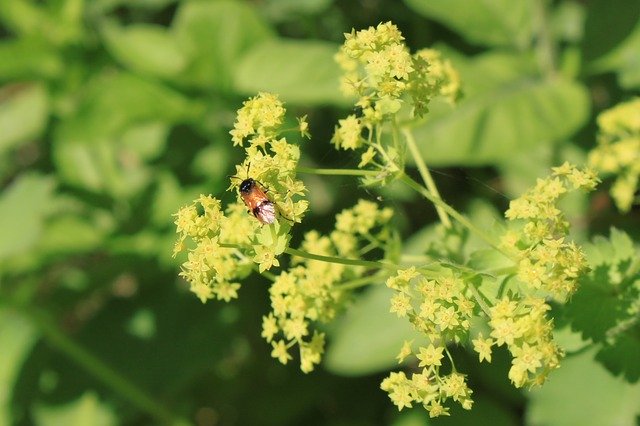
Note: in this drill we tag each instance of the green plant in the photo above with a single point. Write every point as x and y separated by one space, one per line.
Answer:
504 288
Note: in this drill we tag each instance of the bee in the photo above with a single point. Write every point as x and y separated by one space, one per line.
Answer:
257 202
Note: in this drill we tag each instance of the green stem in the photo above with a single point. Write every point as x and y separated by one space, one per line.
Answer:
340 260
336 172
451 212
358 282
476 295
545 48
426 175
94 366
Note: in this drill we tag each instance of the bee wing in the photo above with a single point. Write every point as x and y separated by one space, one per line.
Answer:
266 212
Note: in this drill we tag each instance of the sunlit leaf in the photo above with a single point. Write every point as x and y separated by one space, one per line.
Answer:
17 337
491 22
582 392
299 71
215 35
24 206
24 112
149 49
506 109
86 410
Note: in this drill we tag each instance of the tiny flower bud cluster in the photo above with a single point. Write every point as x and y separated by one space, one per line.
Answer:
546 261
618 150
270 159
226 244
381 73
212 269
440 309
308 292
522 326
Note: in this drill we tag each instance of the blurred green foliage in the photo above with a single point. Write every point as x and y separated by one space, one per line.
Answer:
114 113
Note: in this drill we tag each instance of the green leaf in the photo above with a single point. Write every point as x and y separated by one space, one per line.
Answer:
607 26
24 206
488 22
621 358
145 48
603 307
17 337
581 392
98 149
28 58
86 410
623 59
215 35
368 338
506 109
289 10
299 71
24 112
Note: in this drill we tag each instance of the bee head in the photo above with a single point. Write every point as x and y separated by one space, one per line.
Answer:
247 185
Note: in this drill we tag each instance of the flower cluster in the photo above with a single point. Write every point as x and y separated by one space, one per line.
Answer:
381 73
270 159
212 266
224 246
441 309
310 291
618 150
547 261
521 324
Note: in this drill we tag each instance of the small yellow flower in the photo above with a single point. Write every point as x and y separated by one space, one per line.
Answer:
430 356
280 351
483 347
405 351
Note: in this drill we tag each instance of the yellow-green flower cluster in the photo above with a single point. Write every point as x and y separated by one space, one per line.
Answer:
270 159
440 309
382 74
428 387
522 325
212 267
379 70
309 291
547 261
618 150
223 246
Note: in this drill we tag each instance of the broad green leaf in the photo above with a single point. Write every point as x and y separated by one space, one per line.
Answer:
507 109
489 22
603 307
17 337
145 48
289 10
623 59
28 58
24 112
86 410
215 35
299 71
608 26
581 392
97 149
24 206
70 234
485 411
368 337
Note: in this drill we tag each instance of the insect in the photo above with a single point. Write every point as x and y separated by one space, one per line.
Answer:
257 202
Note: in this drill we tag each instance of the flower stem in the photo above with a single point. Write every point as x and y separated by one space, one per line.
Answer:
336 172
358 282
451 212
426 175
340 260
96 367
